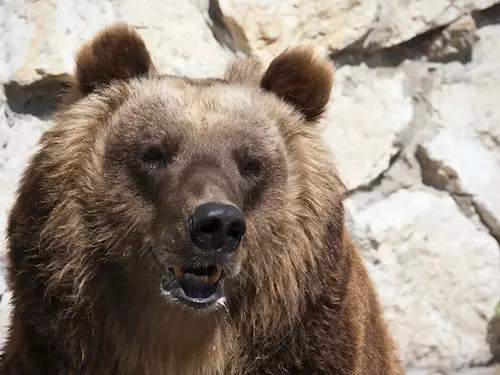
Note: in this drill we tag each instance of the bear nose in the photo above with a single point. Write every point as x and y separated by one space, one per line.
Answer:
217 226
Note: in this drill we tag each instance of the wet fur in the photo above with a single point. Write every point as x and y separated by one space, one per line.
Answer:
83 300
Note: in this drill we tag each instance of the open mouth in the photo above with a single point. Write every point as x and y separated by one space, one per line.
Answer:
195 287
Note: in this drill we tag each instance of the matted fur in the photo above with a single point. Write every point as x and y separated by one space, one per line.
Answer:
86 297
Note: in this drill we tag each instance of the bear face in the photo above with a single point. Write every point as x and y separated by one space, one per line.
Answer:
188 174
202 170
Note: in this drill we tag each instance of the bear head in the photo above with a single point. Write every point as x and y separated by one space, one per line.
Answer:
204 191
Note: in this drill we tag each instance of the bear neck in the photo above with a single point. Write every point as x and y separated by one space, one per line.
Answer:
169 340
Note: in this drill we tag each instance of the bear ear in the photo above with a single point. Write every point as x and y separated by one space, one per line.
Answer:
302 79
117 52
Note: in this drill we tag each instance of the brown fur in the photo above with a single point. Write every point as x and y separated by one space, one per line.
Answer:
89 219
307 89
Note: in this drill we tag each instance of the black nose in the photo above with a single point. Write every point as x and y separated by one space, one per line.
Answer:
217 226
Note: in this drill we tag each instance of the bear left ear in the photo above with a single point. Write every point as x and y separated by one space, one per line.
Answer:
302 79
117 52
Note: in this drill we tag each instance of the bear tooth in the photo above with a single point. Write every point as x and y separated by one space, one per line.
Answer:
215 276
178 272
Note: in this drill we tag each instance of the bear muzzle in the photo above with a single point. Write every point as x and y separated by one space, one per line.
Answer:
215 231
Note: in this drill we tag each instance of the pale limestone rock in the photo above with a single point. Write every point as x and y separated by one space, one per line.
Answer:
466 114
40 38
485 78
401 21
369 109
475 172
487 50
265 28
178 36
4 125
436 274
468 371
23 132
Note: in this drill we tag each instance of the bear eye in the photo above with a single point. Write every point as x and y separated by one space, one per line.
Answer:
252 168
156 155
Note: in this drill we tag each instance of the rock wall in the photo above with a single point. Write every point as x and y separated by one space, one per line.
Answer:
414 125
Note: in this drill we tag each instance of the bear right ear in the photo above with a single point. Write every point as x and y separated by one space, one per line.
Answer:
117 53
301 79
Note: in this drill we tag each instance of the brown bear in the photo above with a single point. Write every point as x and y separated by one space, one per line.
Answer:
170 225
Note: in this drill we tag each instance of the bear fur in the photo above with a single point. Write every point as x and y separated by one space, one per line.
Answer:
100 211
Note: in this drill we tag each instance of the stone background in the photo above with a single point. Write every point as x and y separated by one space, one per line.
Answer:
414 125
